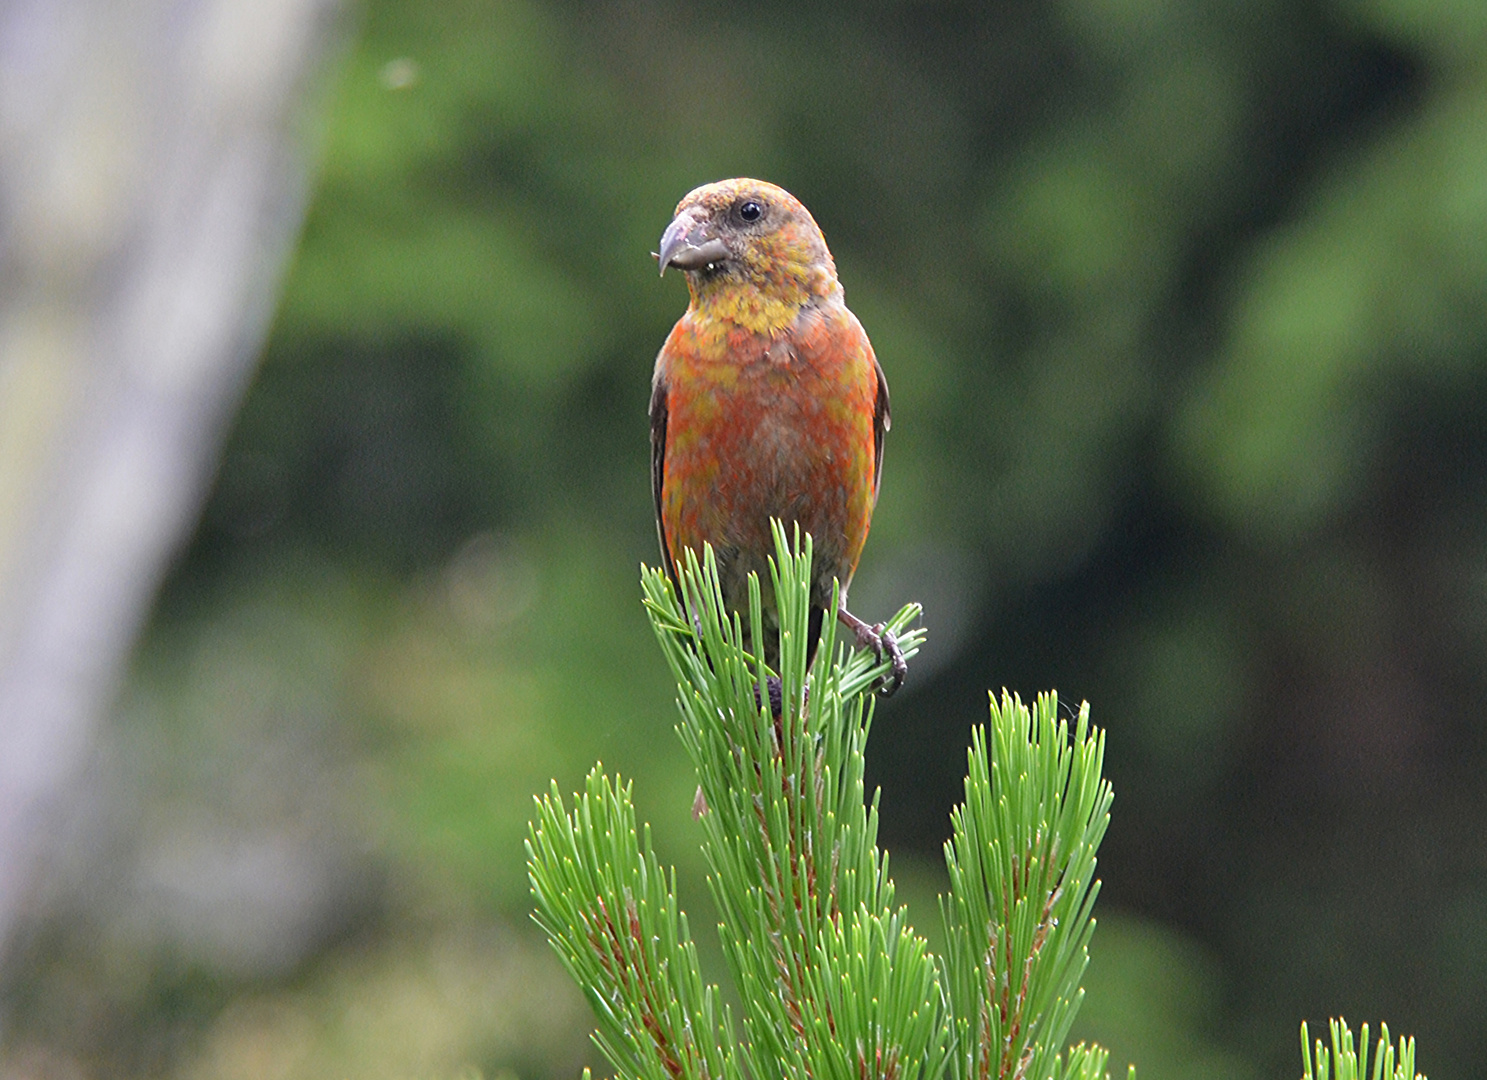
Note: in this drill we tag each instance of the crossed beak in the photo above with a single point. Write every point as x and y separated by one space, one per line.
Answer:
689 244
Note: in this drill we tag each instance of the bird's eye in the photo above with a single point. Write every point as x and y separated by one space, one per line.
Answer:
751 211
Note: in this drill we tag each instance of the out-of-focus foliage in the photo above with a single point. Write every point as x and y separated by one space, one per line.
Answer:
1182 304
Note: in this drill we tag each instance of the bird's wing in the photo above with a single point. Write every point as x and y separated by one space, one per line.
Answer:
882 421
658 468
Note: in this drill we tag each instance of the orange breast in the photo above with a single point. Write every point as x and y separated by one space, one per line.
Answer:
761 427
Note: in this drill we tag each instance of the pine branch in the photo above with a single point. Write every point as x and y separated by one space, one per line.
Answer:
611 914
788 837
833 981
1021 859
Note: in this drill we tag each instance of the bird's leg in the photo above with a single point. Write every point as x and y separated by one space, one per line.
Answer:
880 640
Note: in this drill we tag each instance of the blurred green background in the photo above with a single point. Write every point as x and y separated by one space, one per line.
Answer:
1184 308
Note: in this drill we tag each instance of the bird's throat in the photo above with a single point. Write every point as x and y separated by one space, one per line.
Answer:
725 304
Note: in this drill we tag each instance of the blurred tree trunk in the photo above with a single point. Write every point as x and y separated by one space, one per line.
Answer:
152 179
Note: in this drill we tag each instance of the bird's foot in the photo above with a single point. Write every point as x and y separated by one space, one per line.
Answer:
882 642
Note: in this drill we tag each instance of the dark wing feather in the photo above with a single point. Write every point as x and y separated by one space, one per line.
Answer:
658 468
882 421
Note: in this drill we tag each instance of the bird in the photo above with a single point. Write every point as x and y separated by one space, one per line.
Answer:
767 402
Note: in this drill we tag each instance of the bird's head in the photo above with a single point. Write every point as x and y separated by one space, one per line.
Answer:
737 239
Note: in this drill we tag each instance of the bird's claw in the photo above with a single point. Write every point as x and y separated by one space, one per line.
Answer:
899 667
881 641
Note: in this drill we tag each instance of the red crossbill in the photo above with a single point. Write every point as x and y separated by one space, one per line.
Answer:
768 402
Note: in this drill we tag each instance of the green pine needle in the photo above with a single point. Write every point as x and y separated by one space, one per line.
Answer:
834 983
611 914
1021 860
1345 1061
